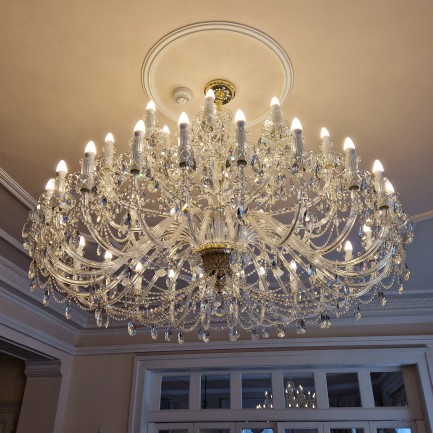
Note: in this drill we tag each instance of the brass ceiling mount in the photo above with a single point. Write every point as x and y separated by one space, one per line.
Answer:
223 89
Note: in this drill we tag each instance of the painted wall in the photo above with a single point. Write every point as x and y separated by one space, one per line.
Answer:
99 394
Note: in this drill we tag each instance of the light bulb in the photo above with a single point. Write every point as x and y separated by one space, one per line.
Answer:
51 185
183 119
90 149
82 242
138 267
165 129
366 229
108 256
275 101
240 116
109 138
296 125
348 246
389 189
348 144
210 94
377 167
139 126
150 106
293 266
61 167
324 133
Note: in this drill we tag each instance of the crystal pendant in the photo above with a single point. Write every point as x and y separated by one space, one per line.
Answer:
400 288
206 337
254 335
168 334
46 298
381 298
357 313
281 333
265 333
131 328
154 332
180 337
200 334
233 334
98 317
33 284
68 312
107 321
300 327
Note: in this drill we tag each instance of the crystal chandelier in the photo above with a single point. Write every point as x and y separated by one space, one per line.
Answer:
217 232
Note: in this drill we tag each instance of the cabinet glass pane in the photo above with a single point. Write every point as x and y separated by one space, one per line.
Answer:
256 391
394 430
174 392
343 390
347 430
214 430
301 430
299 390
388 389
258 430
215 391
176 430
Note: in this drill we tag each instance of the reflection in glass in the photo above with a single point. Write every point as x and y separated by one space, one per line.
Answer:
257 430
394 430
256 391
215 391
347 430
388 389
343 390
301 430
174 392
299 391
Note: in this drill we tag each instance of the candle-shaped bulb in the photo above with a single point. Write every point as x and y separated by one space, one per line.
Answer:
90 149
109 138
139 127
138 267
293 266
377 167
108 256
389 189
166 130
348 247
366 229
324 133
50 186
82 242
275 101
348 144
296 125
210 94
150 106
240 117
61 168
183 119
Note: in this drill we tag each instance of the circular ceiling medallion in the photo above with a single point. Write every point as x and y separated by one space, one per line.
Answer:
194 55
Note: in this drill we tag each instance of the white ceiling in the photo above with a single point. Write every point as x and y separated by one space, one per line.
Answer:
71 71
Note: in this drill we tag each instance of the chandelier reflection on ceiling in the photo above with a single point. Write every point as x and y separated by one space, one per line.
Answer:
217 232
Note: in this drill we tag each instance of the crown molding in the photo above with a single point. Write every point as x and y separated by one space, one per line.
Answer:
16 278
51 368
12 241
8 183
422 216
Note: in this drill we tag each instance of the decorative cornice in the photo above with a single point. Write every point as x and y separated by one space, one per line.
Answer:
12 241
16 190
422 216
15 277
43 368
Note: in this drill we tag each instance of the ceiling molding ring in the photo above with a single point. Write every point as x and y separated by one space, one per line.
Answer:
158 50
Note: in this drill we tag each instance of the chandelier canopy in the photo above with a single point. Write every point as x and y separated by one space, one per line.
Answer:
217 232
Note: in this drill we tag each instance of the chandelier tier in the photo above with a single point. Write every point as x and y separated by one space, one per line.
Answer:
217 232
